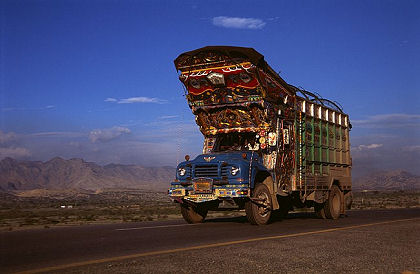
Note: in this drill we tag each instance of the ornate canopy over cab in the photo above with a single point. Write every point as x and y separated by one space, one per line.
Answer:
231 89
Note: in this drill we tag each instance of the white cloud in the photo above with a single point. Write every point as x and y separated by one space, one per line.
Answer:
27 109
109 99
393 120
168 117
133 100
140 100
107 134
75 144
8 137
9 146
14 152
238 22
371 146
68 134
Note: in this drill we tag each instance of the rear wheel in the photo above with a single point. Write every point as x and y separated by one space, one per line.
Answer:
332 206
193 214
258 211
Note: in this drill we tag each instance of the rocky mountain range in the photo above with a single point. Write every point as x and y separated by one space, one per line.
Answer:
78 174
59 173
388 180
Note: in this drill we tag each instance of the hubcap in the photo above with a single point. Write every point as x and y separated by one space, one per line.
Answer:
264 205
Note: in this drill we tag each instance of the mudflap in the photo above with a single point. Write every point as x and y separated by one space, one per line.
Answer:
270 185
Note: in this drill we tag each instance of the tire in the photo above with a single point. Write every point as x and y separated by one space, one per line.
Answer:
193 215
259 214
332 206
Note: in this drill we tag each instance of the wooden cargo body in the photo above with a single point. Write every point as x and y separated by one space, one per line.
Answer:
322 147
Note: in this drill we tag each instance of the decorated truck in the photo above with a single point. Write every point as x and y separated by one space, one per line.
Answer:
268 146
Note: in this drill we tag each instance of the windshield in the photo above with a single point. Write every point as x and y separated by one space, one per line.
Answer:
235 141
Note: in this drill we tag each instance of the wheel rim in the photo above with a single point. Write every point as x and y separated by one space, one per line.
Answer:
263 206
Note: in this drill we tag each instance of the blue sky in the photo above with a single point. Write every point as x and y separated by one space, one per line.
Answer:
96 80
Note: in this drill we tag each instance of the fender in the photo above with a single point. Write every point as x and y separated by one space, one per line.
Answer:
270 185
259 169
256 167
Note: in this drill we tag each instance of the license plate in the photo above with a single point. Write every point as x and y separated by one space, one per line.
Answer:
203 187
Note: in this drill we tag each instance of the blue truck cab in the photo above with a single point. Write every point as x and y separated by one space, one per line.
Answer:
223 177
217 176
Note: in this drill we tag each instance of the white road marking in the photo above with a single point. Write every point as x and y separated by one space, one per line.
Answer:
149 227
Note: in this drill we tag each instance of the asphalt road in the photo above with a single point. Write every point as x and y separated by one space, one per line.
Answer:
364 241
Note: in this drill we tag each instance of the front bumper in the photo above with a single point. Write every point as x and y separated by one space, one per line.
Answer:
177 192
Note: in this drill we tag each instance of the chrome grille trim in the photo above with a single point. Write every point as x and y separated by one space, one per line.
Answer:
207 171
225 171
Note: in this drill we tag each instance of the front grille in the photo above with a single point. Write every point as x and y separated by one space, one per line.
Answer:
208 171
225 171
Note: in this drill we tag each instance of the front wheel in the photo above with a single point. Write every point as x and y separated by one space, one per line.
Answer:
258 210
193 214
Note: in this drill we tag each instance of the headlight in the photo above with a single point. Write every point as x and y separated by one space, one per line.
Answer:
216 79
181 171
234 170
